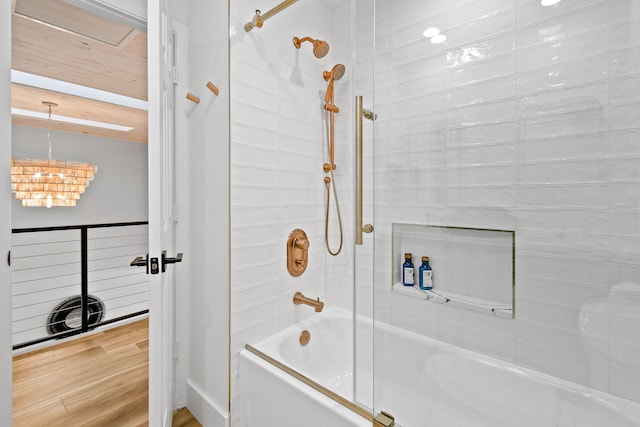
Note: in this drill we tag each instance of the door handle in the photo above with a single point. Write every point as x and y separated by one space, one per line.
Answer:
166 260
141 262
360 113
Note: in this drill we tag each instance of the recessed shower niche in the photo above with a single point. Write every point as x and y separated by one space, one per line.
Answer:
473 268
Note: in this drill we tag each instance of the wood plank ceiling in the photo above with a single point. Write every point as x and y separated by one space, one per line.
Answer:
44 49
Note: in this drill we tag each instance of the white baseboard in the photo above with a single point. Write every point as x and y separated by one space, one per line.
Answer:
207 412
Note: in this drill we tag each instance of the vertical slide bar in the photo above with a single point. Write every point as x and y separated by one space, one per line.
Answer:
359 170
84 291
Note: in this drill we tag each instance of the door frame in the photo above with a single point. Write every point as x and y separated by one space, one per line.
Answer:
162 227
6 361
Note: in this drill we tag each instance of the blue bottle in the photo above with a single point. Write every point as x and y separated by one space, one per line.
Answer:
426 275
407 271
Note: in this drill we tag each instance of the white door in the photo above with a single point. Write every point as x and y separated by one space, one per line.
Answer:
161 221
5 216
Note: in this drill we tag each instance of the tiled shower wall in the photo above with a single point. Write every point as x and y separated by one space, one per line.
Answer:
526 118
277 152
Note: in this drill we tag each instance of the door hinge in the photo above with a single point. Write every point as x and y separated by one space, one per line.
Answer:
176 350
174 75
9 258
384 419
176 212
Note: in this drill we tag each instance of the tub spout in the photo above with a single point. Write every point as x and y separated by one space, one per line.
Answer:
318 305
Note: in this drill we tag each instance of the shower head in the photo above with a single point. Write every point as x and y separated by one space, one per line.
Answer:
320 47
336 73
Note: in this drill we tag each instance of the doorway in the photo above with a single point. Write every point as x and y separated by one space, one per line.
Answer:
93 69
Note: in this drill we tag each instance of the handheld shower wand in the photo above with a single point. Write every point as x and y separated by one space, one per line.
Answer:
336 73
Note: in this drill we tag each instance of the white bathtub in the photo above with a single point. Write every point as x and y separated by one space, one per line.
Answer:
426 383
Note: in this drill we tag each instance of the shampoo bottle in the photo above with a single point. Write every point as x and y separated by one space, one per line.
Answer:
426 275
407 271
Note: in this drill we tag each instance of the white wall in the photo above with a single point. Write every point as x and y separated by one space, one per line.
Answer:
6 396
204 197
277 153
525 119
117 194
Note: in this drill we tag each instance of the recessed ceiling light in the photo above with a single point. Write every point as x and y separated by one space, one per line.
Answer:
41 82
549 2
431 32
73 120
437 39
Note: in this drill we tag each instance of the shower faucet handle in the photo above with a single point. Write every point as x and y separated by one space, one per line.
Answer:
301 243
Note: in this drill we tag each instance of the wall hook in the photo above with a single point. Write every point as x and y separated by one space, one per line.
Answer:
191 97
213 88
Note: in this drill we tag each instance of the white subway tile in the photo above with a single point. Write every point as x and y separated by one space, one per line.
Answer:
624 223
569 49
624 383
480 50
248 175
252 156
563 196
563 172
256 196
464 11
548 314
497 197
624 143
624 195
560 27
483 134
579 122
486 112
625 62
503 65
589 221
482 155
567 294
590 369
623 169
420 105
625 89
482 175
624 249
497 22
503 87
591 272
564 148
419 68
558 244
408 11
625 116
626 356
625 35
555 77
592 96
531 11
569 344
624 10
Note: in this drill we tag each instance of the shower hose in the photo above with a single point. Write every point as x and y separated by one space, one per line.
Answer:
331 183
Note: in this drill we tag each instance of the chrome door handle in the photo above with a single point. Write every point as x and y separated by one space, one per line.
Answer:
166 260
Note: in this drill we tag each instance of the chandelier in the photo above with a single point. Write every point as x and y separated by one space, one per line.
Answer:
47 183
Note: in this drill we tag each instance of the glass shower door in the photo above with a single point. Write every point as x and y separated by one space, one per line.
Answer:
505 149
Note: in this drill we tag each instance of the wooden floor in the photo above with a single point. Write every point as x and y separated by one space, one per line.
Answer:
98 380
